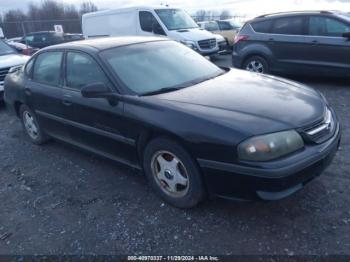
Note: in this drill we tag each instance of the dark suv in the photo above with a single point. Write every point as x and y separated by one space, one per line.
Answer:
295 42
43 39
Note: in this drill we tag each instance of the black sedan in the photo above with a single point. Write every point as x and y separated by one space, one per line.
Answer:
195 129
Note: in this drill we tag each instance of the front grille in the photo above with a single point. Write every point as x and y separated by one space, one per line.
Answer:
207 44
323 130
3 73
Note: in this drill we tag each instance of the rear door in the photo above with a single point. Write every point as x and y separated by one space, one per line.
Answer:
328 50
43 91
288 43
94 123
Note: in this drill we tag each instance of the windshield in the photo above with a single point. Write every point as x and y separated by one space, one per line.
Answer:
152 66
6 49
176 19
345 16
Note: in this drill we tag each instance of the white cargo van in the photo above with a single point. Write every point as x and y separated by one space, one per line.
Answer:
173 23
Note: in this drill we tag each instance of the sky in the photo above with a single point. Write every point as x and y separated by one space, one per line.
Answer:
243 7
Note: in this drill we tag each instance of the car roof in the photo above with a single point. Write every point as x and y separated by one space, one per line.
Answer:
42 32
128 9
100 44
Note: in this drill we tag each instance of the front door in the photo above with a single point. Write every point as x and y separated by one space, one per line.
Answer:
329 51
43 92
94 123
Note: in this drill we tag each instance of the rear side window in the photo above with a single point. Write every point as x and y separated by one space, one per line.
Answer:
82 70
211 26
288 26
47 68
324 26
262 26
225 25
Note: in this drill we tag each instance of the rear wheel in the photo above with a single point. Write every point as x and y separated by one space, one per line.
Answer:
256 64
172 173
31 126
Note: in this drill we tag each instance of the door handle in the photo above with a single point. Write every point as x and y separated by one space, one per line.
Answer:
315 42
67 100
271 39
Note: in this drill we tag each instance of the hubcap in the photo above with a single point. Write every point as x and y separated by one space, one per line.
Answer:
255 66
30 125
170 174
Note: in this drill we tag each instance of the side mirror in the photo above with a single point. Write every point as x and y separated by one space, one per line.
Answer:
346 35
96 90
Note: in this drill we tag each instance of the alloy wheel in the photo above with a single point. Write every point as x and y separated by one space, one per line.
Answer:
170 174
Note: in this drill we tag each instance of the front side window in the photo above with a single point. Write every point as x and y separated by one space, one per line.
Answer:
288 26
176 19
150 24
324 26
211 26
152 66
47 68
81 70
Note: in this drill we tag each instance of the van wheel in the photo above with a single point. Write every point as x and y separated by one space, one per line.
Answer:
31 126
256 64
173 174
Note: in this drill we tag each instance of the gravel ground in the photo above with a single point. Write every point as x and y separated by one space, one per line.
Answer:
55 199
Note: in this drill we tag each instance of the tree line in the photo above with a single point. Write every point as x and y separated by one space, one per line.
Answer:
44 16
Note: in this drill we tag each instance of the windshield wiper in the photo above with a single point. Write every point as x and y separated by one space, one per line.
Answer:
161 91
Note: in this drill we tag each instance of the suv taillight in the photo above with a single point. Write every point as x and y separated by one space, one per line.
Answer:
239 38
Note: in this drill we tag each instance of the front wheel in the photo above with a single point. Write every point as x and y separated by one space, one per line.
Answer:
256 64
31 126
173 174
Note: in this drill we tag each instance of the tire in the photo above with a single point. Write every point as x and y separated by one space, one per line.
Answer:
37 135
177 167
256 64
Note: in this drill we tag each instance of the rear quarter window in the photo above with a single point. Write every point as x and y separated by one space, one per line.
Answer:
262 26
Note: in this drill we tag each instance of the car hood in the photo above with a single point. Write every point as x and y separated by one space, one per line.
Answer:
12 60
260 103
193 34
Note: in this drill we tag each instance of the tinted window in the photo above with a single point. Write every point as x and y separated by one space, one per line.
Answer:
151 66
225 25
212 26
82 70
29 39
262 27
288 26
149 23
47 68
324 26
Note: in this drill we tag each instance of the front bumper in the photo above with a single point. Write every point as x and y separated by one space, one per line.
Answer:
269 181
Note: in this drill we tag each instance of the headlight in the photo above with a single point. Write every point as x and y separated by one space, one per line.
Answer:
190 44
271 146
